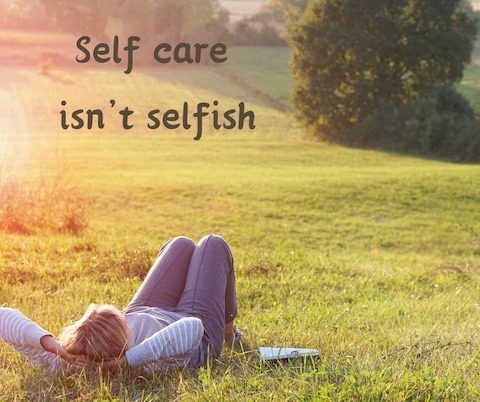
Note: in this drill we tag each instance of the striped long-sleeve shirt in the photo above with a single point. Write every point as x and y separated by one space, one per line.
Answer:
157 341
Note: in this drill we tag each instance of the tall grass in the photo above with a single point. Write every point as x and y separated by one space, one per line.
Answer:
46 204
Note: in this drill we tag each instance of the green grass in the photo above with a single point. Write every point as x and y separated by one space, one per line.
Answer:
470 85
373 258
252 63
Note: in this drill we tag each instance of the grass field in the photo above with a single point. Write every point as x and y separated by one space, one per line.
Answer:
371 257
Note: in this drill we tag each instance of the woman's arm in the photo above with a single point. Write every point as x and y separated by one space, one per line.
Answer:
30 339
18 330
50 344
177 340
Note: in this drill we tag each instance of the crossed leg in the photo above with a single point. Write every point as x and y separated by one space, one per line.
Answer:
164 283
197 280
209 291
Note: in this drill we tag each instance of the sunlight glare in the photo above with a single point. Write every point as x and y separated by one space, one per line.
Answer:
13 133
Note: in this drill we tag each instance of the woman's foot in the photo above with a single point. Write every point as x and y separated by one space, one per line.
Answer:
233 339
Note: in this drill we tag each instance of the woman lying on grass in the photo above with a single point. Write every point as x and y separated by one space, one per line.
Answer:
179 317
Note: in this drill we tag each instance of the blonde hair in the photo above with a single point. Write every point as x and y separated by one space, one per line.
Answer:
101 333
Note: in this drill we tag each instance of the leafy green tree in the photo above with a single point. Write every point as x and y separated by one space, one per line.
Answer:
269 26
205 20
173 20
353 57
152 19
285 11
168 20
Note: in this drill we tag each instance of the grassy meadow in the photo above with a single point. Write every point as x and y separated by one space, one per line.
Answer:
371 257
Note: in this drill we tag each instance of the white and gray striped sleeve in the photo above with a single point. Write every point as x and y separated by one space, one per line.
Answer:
24 335
178 339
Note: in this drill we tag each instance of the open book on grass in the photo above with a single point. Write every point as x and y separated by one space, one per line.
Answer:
269 353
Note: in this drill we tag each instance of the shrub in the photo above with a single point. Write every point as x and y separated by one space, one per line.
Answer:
467 143
49 205
442 124
381 129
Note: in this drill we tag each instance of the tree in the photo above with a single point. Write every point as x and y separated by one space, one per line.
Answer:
285 11
168 20
269 26
173 20
353 57
205 20
88 17
154 19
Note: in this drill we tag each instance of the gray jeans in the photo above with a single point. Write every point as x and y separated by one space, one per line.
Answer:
197 280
